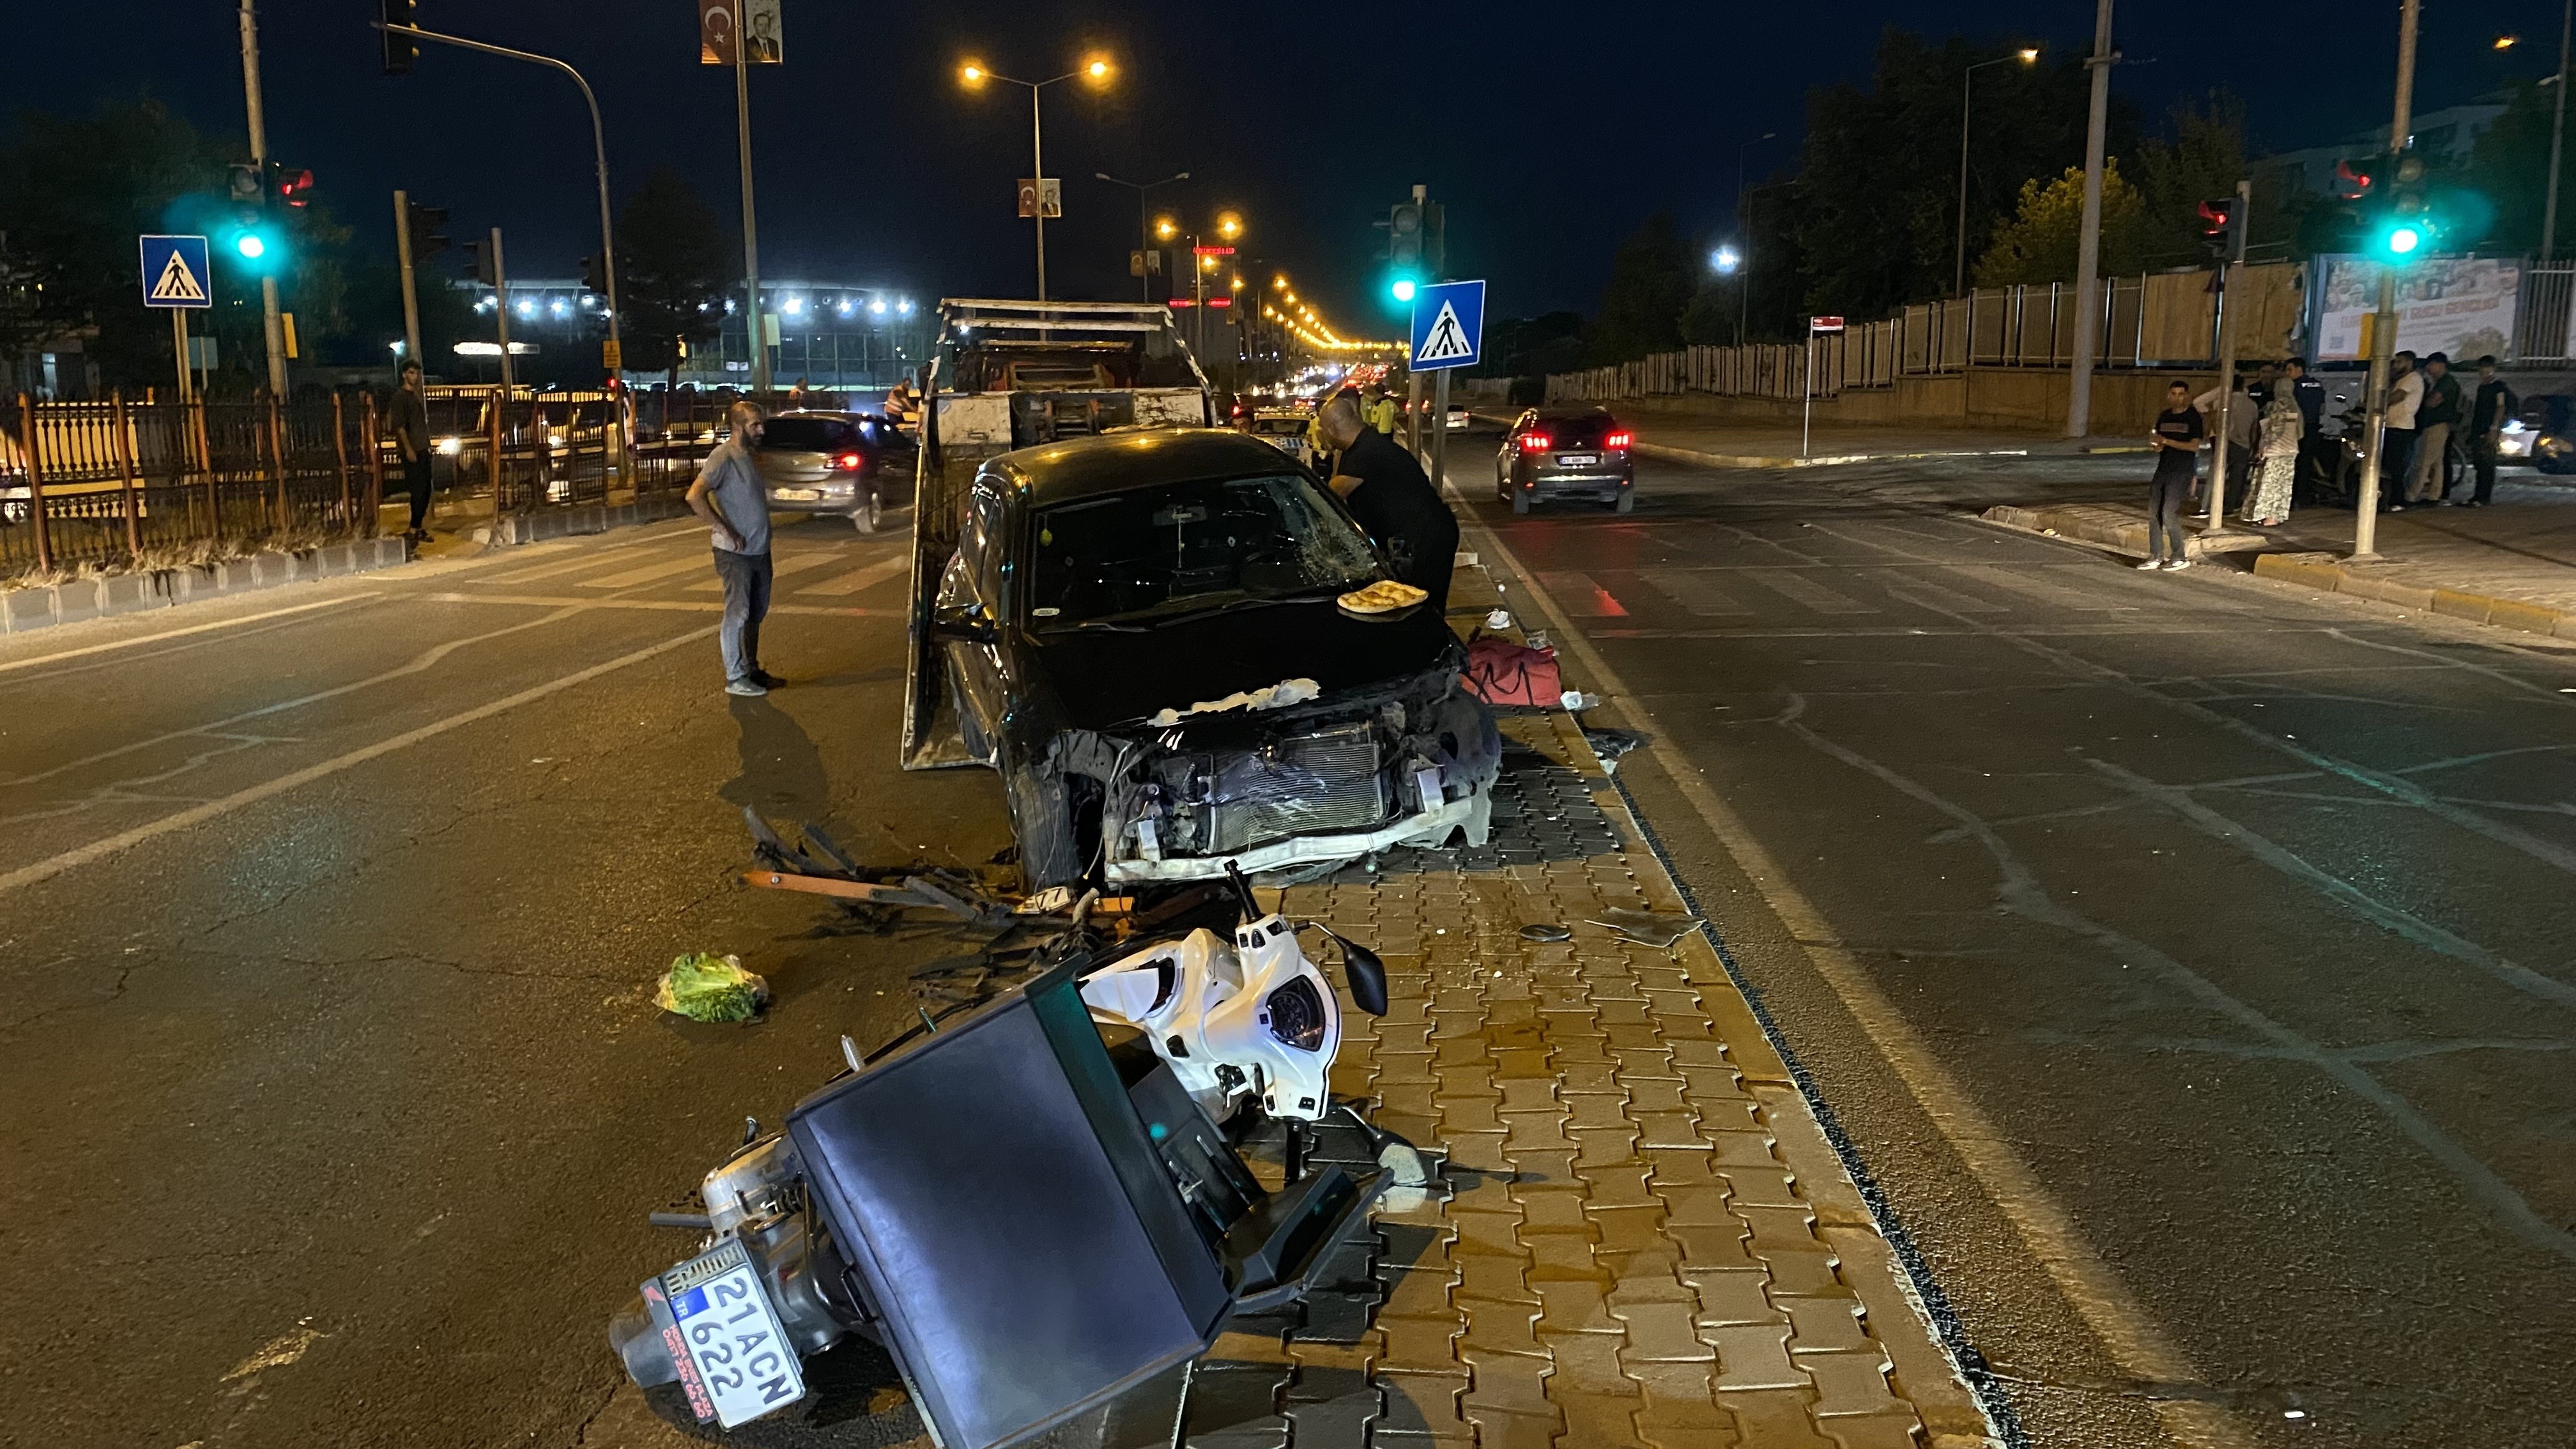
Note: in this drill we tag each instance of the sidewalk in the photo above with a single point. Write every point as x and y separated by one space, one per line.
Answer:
2512 565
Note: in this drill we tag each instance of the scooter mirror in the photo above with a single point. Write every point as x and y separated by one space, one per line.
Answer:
1366 972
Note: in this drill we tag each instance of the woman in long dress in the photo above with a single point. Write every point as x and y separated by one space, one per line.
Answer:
2276 459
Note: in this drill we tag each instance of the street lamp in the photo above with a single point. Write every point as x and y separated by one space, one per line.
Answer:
1144 242
1744 289
2026 55
1095 72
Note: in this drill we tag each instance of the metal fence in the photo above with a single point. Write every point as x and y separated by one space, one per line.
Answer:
2163 319
125 484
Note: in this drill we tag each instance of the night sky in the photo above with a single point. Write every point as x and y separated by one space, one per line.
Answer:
1550 131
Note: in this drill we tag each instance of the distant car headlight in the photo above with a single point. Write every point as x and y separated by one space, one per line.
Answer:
450 447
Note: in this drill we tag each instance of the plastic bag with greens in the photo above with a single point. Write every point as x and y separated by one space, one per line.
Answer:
710 988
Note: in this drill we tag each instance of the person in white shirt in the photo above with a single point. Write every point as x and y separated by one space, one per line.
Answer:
2397 448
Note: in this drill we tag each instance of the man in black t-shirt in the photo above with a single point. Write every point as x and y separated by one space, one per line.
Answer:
2495 404
1388 493
2178 433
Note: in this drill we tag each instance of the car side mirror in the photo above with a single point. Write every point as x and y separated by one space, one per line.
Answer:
962 621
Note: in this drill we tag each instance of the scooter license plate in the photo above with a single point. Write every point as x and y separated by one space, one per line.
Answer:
735 1363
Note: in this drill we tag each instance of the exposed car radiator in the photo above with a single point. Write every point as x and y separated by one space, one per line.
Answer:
1311 784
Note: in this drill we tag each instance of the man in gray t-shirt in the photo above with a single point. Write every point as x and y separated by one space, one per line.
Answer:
731 497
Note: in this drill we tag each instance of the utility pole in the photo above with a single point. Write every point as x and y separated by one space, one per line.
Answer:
2383 322
272 330
501 310
2557 137
411 298
1037 169
750 223
2088 255
2230 270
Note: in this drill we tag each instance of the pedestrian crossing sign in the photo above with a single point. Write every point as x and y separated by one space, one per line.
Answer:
1448 325
175 272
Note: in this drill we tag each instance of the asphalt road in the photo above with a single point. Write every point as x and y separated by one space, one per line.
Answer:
2189 960
336 1093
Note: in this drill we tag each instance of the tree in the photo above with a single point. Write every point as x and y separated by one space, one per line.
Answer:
674 261
2505 188
1650 283
2039 244
2201 160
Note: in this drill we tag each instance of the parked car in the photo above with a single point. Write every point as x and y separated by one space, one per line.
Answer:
2542 434
849 465
1566 452
1283 428
1142 632
1457 417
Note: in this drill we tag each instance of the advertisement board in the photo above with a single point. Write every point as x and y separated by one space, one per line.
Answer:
2463 306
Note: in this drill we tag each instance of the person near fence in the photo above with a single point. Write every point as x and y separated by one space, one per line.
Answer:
2242 412
2428 479
413 446
2317 458
2276 459
2397 435
1393 499
729 495
2495 403
2178 433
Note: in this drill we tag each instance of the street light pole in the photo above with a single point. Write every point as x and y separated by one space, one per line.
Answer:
1959 283
755 318
2557 137
273 331
1744 239
2088 247
599 152
1144 223
2383 322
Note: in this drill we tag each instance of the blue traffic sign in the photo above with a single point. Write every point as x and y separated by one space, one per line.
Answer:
1448 325
176 273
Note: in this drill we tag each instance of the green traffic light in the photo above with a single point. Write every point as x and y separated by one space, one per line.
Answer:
1401 289
2404 240
251 246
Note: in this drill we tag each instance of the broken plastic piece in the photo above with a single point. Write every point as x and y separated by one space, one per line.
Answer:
1275 696
1610 744
1546 931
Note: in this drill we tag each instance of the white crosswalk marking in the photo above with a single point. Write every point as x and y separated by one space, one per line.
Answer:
651 572
1807 591
859 580
2033 583
1914 588
1694 590
794 564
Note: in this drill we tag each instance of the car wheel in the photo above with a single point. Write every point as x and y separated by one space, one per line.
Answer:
1521 501
1627 501
870 515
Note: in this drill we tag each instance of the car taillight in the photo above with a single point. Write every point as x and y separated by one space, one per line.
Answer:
1534 442
1615 440
847 462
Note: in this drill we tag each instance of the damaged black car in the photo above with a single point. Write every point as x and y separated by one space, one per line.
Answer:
1154 637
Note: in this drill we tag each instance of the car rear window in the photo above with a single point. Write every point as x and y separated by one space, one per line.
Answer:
1577 431
807 435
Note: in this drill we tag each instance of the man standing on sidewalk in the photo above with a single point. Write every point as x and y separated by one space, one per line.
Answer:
2495 403
729 495
2316 450
2434 417
412 445
1393 499
2397 436
2177 436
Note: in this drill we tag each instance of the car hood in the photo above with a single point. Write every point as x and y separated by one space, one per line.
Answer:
1103 679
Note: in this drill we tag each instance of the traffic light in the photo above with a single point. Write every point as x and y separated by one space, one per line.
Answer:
2222 228
2405 230
2354 180
1404 236
291 186
244 185
480 254
594 273
251 239
400 50
425 221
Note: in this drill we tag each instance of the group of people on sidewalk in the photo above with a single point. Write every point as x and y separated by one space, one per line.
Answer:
2273 427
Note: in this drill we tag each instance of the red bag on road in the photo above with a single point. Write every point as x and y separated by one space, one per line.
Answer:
1502 672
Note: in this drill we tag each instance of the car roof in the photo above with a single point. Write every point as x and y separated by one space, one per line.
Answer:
1150 458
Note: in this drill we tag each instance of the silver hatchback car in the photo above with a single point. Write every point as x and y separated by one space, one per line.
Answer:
849 465
1566 453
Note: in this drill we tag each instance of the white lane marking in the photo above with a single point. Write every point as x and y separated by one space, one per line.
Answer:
1914 588
98 850
1694 591
796 564
2034 584
1791 583
858 580
651 572
669 606
89 649
2117 1320
582 559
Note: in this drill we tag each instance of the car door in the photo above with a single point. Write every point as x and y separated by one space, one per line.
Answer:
970 615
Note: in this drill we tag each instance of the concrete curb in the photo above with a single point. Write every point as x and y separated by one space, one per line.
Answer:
2113 529
2325 572
1747 460
591 518
109 594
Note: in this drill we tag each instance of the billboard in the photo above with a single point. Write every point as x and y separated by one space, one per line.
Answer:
2463 306
717 31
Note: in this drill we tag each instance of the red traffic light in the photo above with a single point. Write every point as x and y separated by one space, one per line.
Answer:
2352 183
295 187
2216 216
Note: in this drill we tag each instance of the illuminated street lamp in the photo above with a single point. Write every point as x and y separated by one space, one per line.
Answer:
2026 55
1094 72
